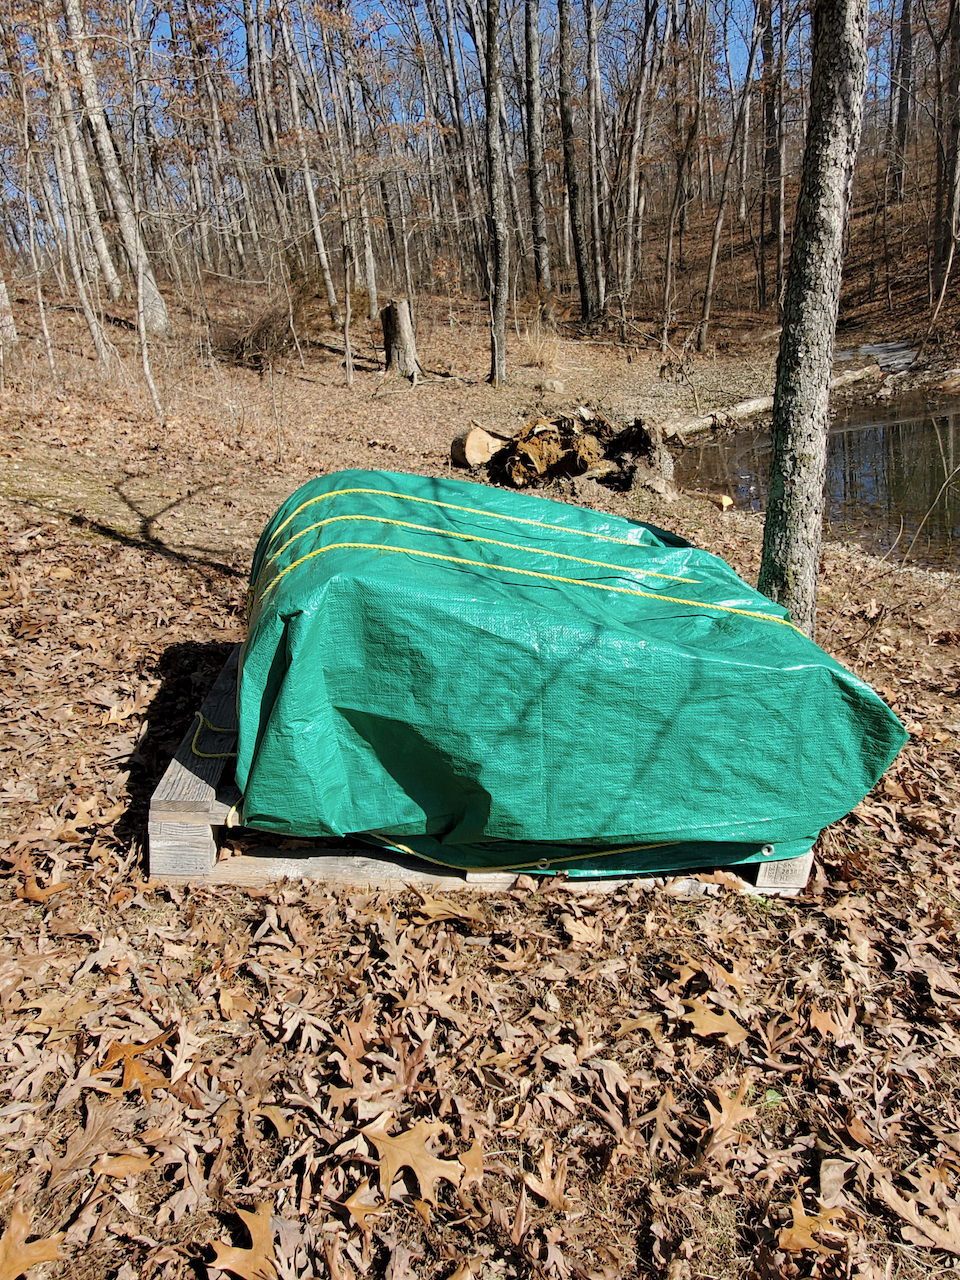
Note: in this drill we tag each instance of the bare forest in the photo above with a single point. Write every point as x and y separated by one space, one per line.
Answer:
631 164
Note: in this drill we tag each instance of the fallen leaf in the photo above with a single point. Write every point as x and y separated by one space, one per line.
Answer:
706 1022
16 1256
726 1119
33 892
467 1269
283 1126
799 1237
409 1151
434 909
360 1208
136 1074
519 1228
84 1145
921 1229
255 1263
472 1161
125 1166
650 1022
580 933
552 1180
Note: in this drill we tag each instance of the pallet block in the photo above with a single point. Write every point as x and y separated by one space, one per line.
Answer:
197 798
190 804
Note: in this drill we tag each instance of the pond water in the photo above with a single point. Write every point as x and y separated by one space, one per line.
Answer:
893 478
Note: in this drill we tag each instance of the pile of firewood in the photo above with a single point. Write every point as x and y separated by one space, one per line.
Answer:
585 443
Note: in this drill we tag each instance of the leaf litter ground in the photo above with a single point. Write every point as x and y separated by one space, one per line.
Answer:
298 1082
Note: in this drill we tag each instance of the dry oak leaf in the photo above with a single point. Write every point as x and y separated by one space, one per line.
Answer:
468 1269
124 1166
726 1120
472 1161
552 1182
16 1256
409 1151
799 1235
360 1208
433 909
134 1072
281 1124
86 1144
30 891
707 1023
921 1229
651 1022
255 1263
580 933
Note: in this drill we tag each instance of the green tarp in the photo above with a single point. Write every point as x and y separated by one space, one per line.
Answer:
488 679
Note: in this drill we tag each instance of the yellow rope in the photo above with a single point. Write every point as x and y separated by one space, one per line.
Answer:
527 573
542 864
451 506
474 537
204 723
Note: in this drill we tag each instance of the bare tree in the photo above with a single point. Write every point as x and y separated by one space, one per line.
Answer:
499 226
535 168
793 527
155 309
589 308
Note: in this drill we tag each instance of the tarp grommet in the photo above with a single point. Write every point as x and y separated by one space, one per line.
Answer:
543 864
767 850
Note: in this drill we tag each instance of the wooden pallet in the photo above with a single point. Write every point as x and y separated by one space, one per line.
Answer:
197 798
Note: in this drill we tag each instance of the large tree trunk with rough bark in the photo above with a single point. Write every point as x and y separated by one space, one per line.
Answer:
793 528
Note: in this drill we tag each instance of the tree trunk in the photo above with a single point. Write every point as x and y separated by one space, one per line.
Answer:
588 295
60 84
399 341
949 187
721 203
155 309
903 84
538 204
793 527
8 328
593 152
499 226
771 204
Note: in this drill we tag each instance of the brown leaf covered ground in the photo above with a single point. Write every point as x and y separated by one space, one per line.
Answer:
298 1082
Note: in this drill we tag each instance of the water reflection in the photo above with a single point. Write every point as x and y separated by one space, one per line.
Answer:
892 478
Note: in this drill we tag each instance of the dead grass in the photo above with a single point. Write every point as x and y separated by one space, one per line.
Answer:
540 348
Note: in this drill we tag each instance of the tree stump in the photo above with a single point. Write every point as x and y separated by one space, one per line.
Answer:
399 342
474 447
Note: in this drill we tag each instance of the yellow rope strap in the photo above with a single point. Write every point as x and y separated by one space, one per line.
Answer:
526 573
470 537
204 723
451 506
542 864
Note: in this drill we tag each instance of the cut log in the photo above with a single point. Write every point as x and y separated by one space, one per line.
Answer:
474 448
746 409
399 342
